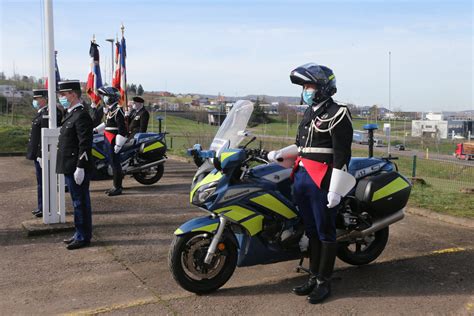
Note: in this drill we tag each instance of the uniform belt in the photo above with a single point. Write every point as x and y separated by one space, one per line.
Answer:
315 150
111 128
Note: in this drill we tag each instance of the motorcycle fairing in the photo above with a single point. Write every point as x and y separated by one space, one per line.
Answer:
214 175
97 154
253 251
207 224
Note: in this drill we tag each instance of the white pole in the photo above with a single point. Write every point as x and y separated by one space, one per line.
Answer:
389 97
50 64
53 184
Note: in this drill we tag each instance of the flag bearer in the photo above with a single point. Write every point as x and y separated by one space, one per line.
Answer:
115 132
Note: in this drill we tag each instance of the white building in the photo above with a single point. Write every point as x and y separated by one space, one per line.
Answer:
431 128
10 91
431 116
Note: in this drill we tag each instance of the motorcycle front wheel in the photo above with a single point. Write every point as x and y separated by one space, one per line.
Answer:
150 176
363 250
186 262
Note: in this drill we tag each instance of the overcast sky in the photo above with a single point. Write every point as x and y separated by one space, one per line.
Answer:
250 47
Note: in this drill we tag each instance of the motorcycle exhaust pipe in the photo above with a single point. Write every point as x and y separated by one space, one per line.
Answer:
376 226
151 164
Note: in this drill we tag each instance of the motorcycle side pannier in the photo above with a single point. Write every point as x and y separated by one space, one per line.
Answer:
383 194
152 150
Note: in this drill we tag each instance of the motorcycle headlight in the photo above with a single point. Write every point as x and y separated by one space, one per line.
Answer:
204 192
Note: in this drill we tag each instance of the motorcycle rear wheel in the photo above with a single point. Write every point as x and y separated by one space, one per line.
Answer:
150 177
186 262
365 250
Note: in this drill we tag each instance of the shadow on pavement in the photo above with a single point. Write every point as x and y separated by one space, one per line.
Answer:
428 275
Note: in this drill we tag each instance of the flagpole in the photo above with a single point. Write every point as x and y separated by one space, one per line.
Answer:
125 105
54 210
50 63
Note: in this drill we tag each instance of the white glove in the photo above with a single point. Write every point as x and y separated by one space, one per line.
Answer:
79 175
274 155
93 105
40 161
105 109
117 148
127 113
333 199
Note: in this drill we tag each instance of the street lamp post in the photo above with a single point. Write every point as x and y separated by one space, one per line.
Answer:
112 41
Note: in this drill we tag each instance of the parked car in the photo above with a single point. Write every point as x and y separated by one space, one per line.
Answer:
400 147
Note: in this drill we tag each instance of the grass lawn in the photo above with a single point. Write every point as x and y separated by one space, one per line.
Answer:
441 194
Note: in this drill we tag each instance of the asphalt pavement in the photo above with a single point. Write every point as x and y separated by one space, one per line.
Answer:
427 267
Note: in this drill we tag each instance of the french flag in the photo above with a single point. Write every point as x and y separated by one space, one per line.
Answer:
123 74
116 78
94 80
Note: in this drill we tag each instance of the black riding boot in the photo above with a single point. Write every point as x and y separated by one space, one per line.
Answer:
117 189
314 254
326 267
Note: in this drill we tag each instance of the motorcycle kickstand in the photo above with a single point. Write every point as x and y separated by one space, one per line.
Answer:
300 268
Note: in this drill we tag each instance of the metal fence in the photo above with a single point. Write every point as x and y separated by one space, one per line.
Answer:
440 171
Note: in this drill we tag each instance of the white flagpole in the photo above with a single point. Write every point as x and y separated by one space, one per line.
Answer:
50 61
53 184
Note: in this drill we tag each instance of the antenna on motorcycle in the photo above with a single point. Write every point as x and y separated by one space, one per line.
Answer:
370 129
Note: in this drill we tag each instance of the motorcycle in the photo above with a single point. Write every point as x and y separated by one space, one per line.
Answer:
252 218
142 157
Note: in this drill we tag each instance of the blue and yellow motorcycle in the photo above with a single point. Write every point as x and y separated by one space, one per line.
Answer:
142 157
252 218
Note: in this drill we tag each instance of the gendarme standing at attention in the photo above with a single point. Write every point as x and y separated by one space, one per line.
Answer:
322 152
74 160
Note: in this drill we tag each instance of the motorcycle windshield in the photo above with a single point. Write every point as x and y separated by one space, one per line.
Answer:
230 134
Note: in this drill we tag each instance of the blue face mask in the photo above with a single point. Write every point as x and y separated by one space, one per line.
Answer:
64 102
35 104
308 96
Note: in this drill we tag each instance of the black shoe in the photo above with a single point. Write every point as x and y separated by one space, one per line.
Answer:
69 240
321 292
76 244
38 213
306 288
114 191
314 258
35 211
326 267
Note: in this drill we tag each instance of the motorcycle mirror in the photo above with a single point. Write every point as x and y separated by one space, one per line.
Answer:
244 133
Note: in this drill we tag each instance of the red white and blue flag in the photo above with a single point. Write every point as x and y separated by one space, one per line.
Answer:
123 74
116 78
56 70
94 80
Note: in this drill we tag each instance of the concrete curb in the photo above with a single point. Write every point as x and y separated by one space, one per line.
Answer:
461 221
35 227
15 154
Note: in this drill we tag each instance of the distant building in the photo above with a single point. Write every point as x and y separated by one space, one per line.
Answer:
431 116
435 129
215 117
10 91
